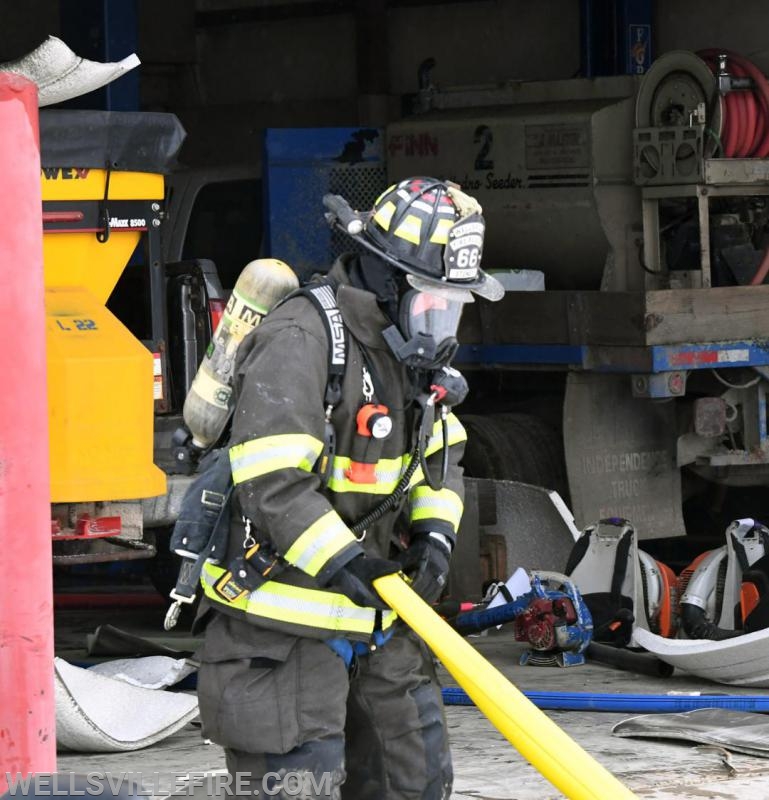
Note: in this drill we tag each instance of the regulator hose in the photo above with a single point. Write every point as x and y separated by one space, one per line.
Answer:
418 458
390 501
436 486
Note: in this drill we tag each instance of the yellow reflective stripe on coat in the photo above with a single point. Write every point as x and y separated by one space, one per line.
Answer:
426 503
455 434
319 543
267 454
298 605
387 471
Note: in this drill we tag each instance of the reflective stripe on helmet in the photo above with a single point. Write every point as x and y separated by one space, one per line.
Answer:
326 537
267 454
441 233
384 214
409 229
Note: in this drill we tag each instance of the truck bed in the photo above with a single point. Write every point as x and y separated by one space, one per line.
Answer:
669 316
623 331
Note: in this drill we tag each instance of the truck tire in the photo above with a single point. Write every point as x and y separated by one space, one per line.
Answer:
515 447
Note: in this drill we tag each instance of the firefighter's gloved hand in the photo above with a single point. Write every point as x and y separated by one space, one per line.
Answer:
426 562
355 579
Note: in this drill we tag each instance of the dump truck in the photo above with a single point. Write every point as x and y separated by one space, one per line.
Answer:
125 331
633 376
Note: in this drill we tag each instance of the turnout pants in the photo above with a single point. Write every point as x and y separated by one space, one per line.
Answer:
296 723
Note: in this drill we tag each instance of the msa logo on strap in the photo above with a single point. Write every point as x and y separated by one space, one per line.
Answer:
325 296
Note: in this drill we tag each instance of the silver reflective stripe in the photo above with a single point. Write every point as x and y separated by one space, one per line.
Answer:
258 457
296 605
319 543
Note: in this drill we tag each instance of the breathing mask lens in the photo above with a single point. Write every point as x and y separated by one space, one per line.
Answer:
429 315
428 324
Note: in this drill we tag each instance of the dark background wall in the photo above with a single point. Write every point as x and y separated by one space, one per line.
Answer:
230 68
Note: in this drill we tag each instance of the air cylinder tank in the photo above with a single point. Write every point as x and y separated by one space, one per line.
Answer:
260 285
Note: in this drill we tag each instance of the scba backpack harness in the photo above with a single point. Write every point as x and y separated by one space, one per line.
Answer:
201 531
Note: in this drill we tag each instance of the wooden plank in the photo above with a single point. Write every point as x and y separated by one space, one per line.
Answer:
660 317
556 317
608 318
718 314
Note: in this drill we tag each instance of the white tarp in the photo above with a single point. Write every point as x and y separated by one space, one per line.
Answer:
98 714
150 672
741 661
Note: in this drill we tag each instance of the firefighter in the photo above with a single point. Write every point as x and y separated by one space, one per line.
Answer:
307 678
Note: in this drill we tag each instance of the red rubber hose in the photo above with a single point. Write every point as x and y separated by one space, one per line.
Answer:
752 112
732 134
743 143
760 145
763 269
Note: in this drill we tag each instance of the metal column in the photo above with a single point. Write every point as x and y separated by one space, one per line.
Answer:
103 30
27 709
616 37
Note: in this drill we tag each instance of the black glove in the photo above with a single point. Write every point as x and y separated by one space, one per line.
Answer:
426 562
355 579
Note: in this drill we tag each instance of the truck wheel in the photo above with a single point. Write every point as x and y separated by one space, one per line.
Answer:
515 447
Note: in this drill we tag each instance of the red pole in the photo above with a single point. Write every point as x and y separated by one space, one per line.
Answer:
27 706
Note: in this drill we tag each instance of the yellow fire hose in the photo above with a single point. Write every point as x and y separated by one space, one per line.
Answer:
536 737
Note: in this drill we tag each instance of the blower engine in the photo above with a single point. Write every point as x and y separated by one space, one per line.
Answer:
725 592
551 617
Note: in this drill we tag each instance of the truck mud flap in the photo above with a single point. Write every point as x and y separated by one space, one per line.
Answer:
621 456
509 524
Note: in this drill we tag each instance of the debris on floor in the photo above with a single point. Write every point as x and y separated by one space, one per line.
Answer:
738 731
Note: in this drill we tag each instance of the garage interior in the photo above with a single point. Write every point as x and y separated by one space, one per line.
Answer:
281 101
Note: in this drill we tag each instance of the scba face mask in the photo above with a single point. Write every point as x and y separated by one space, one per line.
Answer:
426 336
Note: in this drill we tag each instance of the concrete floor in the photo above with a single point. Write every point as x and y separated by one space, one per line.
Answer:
486 766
